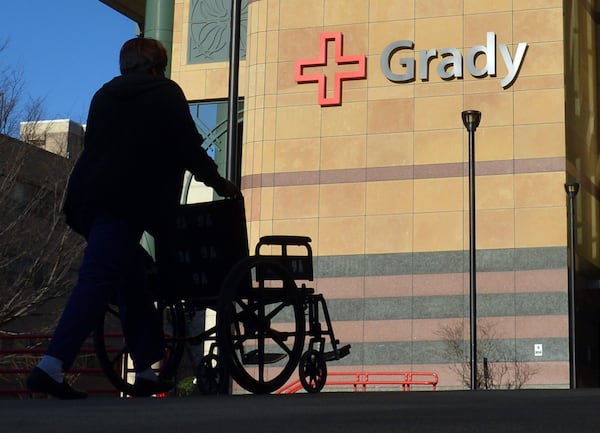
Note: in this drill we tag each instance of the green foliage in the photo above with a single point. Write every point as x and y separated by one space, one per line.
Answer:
186 386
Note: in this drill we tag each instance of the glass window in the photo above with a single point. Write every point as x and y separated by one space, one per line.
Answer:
211 121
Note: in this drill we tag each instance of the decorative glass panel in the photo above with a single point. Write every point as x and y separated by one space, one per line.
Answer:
209 31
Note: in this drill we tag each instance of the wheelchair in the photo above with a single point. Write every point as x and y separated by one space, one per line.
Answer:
265 313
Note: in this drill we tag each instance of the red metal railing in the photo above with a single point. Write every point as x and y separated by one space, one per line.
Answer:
38 352
358 380
362 379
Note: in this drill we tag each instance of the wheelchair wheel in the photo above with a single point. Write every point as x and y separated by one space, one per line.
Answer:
261 324
113 354
313 371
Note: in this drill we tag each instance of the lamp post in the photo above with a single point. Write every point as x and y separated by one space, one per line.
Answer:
572 188
233 146
471 119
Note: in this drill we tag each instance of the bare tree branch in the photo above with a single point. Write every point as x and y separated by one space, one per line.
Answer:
502 369
15 106
38 253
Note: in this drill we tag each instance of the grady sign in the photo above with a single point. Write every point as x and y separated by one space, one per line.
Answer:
450 66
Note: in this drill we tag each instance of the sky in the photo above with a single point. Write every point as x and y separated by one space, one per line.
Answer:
66 50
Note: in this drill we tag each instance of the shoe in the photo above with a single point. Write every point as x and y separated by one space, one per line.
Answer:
145 387
39 381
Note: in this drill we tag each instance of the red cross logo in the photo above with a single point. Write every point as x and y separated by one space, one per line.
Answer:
340 59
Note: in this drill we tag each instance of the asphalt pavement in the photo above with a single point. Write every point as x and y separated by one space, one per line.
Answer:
527 411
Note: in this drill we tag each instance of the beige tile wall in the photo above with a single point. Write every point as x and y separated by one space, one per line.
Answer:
400 150
382 124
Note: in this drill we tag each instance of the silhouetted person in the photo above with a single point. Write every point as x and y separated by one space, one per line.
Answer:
139 140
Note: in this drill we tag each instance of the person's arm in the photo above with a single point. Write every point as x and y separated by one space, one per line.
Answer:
193 155
224 187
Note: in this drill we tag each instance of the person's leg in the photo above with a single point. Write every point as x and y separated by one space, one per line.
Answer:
111 245
143 329
140 320
112 269
107 258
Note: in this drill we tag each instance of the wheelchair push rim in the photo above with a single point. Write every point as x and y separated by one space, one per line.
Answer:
261 324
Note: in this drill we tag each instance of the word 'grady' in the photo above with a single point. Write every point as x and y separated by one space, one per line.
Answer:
451 65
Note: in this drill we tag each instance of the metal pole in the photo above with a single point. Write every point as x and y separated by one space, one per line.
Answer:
232 166
572 188
472 261
233 153
471 119
159 25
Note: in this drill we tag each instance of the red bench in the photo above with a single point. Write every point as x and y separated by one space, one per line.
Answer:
362 379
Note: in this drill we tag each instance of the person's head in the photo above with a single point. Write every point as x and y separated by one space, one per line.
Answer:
143 56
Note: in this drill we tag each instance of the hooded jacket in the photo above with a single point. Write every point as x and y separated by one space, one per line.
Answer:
140 138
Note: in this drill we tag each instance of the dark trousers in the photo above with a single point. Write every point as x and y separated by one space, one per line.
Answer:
112 269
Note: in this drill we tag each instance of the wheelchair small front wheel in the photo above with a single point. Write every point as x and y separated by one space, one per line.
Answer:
312 371
211 376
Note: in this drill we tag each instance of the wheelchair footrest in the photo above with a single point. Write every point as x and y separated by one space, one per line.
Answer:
341 352
252 358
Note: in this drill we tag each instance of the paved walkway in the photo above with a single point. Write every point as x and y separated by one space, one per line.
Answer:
531 411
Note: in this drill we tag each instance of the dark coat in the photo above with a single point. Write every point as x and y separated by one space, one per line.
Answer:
139 140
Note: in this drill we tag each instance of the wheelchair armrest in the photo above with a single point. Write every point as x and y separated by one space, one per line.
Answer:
284 240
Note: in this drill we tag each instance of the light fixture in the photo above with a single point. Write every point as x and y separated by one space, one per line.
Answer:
572 188
471 119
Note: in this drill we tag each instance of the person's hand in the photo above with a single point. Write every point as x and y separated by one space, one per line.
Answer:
226 188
